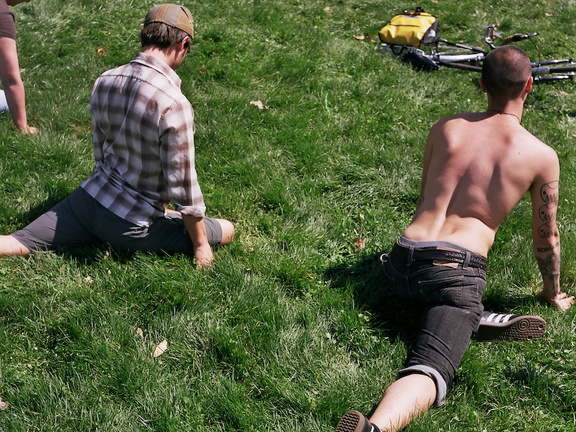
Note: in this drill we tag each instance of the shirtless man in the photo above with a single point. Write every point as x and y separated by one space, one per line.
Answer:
477 166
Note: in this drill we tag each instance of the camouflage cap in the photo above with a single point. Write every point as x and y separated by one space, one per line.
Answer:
173 15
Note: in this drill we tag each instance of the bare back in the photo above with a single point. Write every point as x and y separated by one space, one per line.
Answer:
476 168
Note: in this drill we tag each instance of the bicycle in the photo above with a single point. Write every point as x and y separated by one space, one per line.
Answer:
467 57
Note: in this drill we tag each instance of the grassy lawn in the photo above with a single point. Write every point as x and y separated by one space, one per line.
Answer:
292 326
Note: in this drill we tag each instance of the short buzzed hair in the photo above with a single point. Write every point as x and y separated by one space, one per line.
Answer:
505 71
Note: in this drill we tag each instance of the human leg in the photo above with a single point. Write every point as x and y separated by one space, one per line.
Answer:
404 400
452 291
9 246
167 234
58 228
227 231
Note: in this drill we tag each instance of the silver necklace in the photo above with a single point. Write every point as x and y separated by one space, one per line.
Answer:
504 113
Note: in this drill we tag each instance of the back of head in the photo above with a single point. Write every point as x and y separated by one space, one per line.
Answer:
505 72
166 25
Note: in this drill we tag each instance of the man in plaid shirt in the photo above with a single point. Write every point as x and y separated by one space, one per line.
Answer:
143 129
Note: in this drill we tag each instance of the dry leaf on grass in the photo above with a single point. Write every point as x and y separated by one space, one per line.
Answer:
139 332
360 242
160 349
259 104
3 405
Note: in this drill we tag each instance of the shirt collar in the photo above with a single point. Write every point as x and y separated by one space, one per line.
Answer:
160 66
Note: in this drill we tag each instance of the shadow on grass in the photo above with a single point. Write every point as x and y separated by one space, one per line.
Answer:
92 254
502 303
540 385
393 316
55 197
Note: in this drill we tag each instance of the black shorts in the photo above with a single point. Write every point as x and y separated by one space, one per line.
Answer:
7 26
80 220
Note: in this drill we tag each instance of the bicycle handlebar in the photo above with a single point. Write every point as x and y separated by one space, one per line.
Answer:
518 37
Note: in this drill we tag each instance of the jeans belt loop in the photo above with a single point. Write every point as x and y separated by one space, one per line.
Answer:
410 251
466 260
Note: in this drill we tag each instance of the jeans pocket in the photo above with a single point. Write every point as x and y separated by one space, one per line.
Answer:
447 290
397 281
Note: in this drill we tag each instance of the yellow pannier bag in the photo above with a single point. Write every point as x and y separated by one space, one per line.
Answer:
410 28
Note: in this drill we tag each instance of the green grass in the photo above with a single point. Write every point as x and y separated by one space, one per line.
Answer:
291 327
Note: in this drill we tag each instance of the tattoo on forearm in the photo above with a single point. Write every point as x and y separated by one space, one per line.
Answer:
547 212
550 267
546 230
548 249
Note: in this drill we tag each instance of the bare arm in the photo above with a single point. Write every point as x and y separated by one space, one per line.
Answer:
12 84
546 237
197 232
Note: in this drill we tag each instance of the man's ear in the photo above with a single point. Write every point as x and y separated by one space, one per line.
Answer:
185 43
529 85
482 86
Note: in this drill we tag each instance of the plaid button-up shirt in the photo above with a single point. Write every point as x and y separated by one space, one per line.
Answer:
143 131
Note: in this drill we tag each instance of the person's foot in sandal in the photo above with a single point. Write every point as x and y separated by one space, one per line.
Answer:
354 421
501 327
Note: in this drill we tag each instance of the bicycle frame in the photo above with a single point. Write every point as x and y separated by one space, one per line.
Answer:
541 70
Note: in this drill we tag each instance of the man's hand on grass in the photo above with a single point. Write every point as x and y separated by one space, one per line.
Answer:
560 301
204 256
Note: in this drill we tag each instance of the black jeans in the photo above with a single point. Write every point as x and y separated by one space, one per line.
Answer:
452 291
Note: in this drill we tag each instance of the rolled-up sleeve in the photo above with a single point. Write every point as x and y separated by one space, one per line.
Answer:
177 158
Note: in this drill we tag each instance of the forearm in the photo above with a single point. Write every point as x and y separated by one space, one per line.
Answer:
12 83
197 232
196 229
546 238
15 96
549 264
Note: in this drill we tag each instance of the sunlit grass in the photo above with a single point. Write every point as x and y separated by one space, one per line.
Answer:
292 326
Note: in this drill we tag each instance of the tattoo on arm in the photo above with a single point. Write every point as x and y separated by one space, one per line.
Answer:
546 230
549 192
548 249
547 212
550 267
548 257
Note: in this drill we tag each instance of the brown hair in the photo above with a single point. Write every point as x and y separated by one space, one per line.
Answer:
505 71
161 35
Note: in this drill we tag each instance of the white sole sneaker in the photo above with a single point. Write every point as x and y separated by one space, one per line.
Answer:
501 327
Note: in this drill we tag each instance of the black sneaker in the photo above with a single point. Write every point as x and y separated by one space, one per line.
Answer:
353 421
501 327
